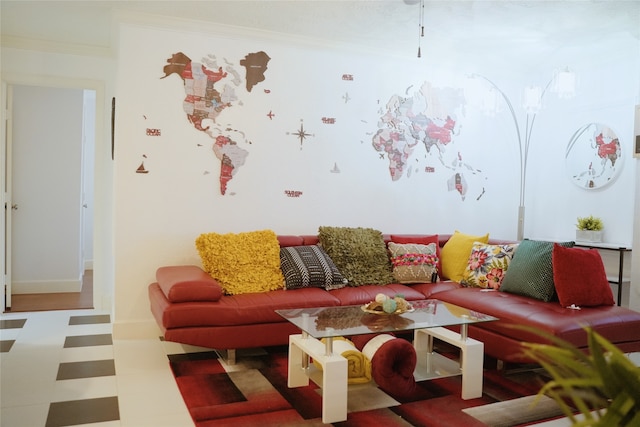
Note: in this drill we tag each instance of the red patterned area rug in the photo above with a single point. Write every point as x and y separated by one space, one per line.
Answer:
254 392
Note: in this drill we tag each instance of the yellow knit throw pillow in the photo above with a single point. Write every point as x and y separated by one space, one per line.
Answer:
454 255
244 262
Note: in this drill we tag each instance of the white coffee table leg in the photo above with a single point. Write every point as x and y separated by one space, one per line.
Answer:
471 356
471 363
334 375
298 363
334 389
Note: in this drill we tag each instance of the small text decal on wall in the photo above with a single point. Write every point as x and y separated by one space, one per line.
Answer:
293 193
153 132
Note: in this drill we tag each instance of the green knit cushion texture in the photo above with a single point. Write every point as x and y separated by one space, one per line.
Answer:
359 253
531 270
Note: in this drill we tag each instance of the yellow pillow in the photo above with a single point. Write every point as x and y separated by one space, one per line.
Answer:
454 255
243 262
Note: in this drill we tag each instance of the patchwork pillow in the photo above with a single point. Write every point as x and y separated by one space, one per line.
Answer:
359 253
420 239
454 255
531 270
244 262
309 267
413 263
487 265
580 277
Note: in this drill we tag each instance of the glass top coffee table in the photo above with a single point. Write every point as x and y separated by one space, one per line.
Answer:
428 319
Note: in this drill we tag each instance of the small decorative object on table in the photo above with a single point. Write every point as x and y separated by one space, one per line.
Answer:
589 229
388 305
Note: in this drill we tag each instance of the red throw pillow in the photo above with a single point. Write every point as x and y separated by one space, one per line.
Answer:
580 277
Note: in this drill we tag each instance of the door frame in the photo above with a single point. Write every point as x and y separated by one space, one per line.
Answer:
5 184
102 292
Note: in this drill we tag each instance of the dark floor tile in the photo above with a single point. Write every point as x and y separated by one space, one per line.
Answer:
86 411
89 320
6 345
88 340
12 323
89 369
205 355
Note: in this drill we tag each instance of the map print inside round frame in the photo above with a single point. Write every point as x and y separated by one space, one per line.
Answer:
594 156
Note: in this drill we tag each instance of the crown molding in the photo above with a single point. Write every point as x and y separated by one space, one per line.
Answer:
49 46
166 23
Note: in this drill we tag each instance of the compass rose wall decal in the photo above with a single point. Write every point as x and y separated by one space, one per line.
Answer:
301 133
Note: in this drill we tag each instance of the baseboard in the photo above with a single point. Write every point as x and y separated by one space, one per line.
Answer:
88 264
46 286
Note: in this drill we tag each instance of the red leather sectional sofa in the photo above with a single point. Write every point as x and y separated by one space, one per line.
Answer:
190 308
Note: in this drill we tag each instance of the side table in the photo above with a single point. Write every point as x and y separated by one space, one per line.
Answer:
610 247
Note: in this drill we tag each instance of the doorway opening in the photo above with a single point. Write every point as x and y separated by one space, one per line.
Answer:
49 153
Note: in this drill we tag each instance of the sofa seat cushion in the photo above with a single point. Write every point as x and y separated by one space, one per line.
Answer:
245 309
187 283
430 290
361 295
618 324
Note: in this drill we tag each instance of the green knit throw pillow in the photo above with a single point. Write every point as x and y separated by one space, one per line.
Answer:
531 270
359 253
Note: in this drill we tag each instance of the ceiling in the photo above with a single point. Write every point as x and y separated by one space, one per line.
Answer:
391 25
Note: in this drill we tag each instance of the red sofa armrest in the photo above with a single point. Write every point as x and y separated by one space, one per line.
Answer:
188 283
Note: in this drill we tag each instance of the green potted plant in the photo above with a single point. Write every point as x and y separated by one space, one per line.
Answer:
589 229
603 385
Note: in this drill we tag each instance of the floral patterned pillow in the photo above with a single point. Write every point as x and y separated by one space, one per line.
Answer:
487 265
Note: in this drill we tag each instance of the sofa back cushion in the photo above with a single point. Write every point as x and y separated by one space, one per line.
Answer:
290 240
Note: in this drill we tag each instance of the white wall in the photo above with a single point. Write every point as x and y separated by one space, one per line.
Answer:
159 214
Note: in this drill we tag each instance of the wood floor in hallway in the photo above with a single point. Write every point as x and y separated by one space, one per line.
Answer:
56 301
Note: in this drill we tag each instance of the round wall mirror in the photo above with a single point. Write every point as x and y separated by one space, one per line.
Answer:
594 157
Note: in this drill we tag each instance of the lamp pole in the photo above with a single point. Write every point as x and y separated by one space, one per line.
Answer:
523 146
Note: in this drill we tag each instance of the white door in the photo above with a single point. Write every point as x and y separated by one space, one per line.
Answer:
45 249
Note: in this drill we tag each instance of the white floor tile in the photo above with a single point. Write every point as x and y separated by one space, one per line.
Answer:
9 334
139 356
25 392
156 383
81 354
24 416
92 329
84 388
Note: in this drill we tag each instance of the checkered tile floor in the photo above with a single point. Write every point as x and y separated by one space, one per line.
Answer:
63 368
